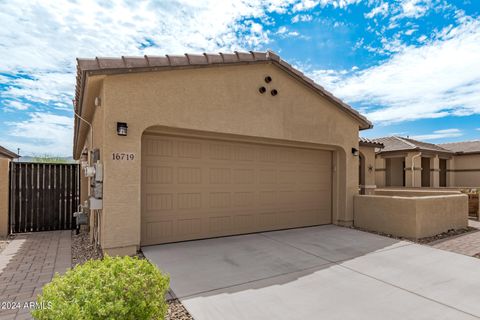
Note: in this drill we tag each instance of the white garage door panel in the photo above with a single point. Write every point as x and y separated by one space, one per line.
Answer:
198 188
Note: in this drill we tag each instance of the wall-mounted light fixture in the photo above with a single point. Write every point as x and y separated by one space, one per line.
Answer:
355 152
122 128
370 168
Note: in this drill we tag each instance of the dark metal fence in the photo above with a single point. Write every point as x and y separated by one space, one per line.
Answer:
43 196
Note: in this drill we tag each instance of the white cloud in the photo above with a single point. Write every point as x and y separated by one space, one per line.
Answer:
41 133
380 10
437 79
12 105
410 32
422 38
414 8
439 134
284 32
44 87
302 18
304 5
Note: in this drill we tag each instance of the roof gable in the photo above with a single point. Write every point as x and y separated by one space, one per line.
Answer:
155 63
395 143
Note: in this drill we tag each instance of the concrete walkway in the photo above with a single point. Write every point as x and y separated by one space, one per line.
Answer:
28 263
324 272
467 244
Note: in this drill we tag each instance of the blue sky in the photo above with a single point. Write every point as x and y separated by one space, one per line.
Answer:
411 66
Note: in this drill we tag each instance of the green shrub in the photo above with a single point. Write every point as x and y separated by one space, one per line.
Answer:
111 288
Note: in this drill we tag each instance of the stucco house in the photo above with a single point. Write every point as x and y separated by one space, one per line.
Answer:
198 146
5 157
405 162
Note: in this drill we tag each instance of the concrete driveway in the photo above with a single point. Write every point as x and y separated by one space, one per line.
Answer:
325 272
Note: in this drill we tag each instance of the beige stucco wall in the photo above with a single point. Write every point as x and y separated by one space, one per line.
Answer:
466 170
411 217
219 100
4 194
394 171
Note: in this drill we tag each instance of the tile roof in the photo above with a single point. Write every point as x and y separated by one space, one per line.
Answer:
463 147
370 142
7 153
399 144
127 64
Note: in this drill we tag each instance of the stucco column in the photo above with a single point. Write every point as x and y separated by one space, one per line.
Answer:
450 172
380 172
415 179
4 194
368 186
435 172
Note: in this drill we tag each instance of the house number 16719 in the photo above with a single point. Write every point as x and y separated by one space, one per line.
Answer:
123 156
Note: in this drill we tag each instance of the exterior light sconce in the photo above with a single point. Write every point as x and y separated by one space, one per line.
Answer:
370 168
122 128
355 152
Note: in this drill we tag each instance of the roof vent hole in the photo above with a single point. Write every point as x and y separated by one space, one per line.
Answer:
268 79
274 92
262 90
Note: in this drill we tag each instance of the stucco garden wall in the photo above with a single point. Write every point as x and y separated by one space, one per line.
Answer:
411 217
466 170
217 100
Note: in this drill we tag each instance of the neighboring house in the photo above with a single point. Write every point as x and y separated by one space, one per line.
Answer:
200 146
465 169
5 157
411 163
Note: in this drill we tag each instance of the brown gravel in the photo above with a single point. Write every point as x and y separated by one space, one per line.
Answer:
176 311
448 234
83 250
427 240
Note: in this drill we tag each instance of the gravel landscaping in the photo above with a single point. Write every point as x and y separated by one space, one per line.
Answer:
176 311
83 250
427 240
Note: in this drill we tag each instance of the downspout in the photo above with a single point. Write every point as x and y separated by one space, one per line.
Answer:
413 167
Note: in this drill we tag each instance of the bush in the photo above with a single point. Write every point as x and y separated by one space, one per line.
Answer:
111 288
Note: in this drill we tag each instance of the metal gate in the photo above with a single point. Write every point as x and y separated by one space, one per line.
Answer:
43 196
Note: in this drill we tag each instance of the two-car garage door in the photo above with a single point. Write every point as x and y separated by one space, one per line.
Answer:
196 188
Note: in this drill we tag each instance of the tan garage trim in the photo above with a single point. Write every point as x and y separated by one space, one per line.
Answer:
194 188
